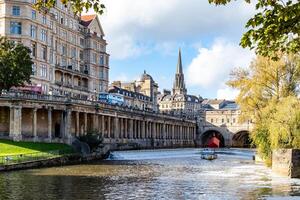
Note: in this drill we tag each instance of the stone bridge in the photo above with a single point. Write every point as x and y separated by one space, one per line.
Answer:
236 135
60 119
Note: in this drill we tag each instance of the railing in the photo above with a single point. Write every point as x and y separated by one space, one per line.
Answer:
66 99
30 157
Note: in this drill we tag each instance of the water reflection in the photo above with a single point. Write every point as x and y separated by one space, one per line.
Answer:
161 174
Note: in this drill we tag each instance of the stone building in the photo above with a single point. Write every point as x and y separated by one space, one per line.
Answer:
145 86
68 51
221 118
133 100
179 102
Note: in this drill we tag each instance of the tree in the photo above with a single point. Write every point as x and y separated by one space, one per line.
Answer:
274 28
15 64
268 96
77 6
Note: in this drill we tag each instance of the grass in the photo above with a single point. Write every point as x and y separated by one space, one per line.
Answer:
8 147
17 152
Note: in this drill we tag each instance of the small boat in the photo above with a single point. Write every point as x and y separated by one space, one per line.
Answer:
208 154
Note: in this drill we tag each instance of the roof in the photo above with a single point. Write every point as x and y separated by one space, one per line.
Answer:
213 101
87 19
178 97
145 76
115 89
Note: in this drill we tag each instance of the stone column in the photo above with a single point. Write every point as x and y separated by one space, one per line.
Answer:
154 130
108 127
95 124
173 132
68 124
164 131
34 124
121 127
15 123
50 124
85 123
77 125
131 128
103 126
143 130
116 128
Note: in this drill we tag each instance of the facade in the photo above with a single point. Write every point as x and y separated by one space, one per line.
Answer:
68 51
133 100
145 87
179 102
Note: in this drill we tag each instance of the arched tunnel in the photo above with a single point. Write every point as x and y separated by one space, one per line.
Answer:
212 138
241 140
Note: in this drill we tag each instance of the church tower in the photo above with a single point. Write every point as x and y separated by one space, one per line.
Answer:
179 85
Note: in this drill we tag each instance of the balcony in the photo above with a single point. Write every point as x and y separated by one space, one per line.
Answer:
72 70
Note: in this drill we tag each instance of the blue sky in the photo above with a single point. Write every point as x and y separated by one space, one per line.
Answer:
146 35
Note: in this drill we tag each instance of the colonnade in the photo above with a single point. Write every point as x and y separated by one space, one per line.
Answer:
51 123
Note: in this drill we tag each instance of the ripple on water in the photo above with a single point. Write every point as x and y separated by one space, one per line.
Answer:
161 174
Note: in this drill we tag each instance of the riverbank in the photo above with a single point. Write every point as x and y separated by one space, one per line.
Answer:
10 148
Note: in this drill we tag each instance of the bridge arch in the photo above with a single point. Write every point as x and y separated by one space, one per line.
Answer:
207 135
241 139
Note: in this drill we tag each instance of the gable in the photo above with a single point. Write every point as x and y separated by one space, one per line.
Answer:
95 26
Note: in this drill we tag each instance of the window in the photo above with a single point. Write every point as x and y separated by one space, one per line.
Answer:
44 52
73 52
51 56
61 20
222 120
44 35
43 71
16 10
33 31
94 59
16 28
44 88
63 61
101 74
95 45
71 24
233 120
101 61
44 19
227 120
33 69
64 34
33 49
211 120
81 55
33 14
64 49
51 24
81 42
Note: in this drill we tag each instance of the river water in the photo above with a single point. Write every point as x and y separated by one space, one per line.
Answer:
153 174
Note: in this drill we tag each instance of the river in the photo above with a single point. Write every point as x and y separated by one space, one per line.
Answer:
153 174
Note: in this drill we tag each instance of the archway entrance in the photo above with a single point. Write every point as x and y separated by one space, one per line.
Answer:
241 140
213 139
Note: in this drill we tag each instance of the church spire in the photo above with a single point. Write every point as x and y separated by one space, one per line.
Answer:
179 84
179 63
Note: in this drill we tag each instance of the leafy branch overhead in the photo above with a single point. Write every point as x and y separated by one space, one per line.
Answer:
274 28
77 6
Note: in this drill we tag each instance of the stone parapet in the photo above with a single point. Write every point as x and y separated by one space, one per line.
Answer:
286 162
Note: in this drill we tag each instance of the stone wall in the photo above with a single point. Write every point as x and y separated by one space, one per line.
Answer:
286 162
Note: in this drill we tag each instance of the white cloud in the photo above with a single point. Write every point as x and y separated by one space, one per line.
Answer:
227 93
211 67
134 27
